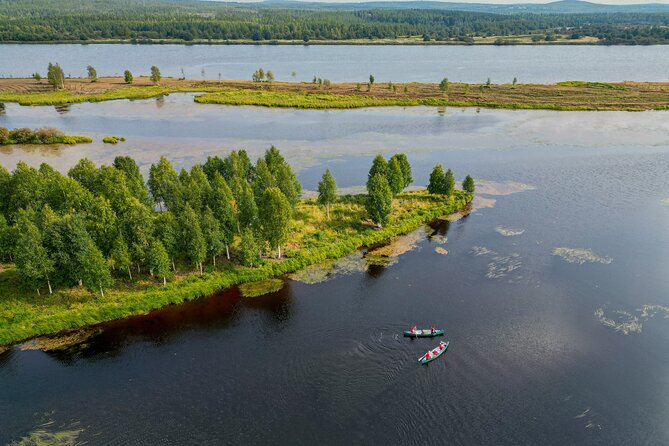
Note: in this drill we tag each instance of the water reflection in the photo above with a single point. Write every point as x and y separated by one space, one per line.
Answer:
62 109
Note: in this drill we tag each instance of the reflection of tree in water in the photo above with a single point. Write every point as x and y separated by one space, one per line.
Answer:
3 109
278 305
216 312
62 109
159 327
160 101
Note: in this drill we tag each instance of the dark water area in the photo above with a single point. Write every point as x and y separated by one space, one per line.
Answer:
352 63
553 294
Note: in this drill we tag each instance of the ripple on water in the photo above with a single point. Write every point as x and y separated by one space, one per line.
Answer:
580 256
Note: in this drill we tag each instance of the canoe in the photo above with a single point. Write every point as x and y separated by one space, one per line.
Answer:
424 333
434 354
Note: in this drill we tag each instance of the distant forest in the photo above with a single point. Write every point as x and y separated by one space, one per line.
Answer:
90 20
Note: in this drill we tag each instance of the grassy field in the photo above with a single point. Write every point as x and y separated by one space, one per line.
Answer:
569 95
315 239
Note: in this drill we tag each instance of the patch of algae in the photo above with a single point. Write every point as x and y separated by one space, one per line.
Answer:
45 435
626 322
580 256
440 250
51 343
509 232
260 288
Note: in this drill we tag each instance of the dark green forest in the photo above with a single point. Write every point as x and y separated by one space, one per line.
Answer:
89 20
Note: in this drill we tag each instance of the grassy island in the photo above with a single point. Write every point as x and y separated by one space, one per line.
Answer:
571 95
100 250
39 136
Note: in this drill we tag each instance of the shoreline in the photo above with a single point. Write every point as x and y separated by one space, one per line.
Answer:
121 304
564 96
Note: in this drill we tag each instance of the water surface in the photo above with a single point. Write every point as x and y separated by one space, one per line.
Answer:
533 358
397 63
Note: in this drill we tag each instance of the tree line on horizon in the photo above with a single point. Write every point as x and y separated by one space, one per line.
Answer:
78 20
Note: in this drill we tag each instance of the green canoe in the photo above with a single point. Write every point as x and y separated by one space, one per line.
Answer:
434 353
424 333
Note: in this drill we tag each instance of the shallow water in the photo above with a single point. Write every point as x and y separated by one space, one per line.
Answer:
532 359
423 63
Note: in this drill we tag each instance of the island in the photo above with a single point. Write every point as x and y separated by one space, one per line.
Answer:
101 243
323 94
44 136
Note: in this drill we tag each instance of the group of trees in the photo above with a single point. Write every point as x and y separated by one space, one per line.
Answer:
385 180
56 76
78 20
260 75
95 223
100 222
444 183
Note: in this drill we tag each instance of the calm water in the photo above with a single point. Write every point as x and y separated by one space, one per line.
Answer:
538 64
531 361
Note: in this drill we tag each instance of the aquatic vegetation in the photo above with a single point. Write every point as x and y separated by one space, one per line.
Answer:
500 265
626 322
623 322
665 201
580 256
509 232
438 239
649 311
262 287
113 139
47 434
440 250
502 188
400 245
314 274
50 343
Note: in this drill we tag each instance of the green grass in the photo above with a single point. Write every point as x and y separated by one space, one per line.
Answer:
62 97
113 139
24 315
65 139
591 84
561 96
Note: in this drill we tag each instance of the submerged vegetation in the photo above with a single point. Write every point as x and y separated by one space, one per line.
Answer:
46 135
103 230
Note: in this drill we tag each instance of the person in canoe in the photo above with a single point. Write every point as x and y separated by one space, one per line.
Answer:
442 345
413 330
427 355
432 330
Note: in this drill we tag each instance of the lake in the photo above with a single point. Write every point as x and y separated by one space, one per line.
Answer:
396 63
553 293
